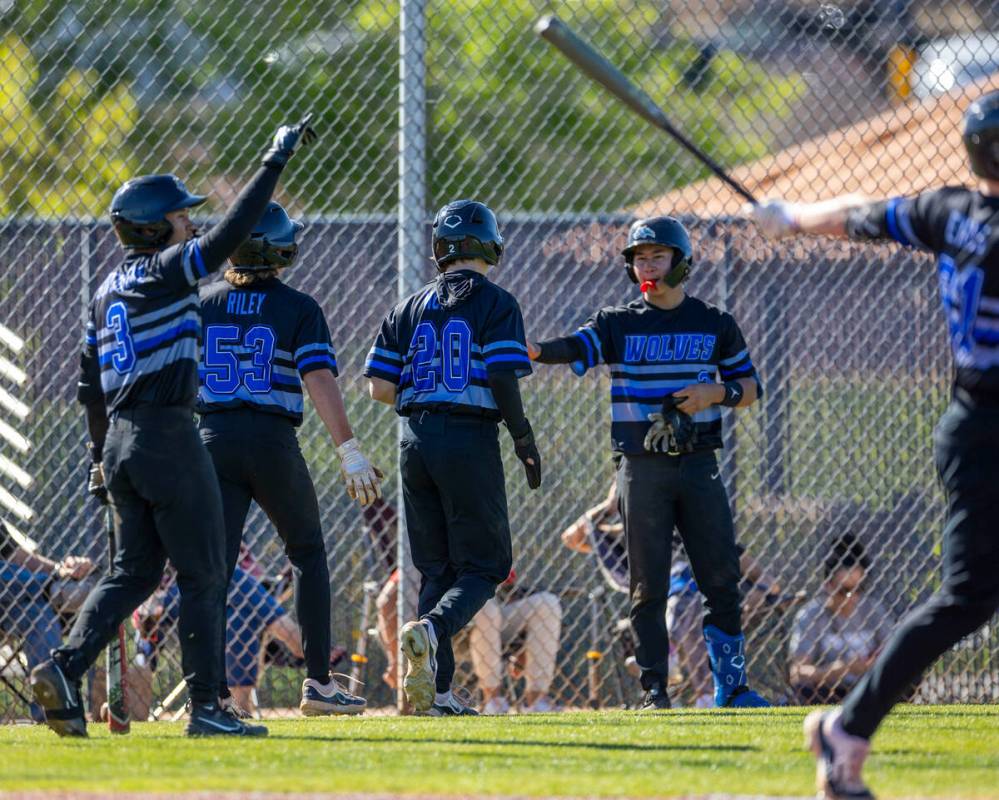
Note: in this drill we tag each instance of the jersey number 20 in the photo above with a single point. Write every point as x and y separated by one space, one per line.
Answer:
223 372
455 340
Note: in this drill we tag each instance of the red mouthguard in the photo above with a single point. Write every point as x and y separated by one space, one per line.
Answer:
647 286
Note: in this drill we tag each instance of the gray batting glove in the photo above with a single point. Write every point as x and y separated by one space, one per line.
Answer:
363 481
775 218
657 438
287 140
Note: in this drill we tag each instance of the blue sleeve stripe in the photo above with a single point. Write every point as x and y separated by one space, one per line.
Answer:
311 348
891 221
587 348
501 358
905 225
509 344
91 338
742 372
382 367
324 359
740 356
199 260
388 355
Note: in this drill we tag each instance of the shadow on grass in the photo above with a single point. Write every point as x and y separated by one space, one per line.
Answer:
604 746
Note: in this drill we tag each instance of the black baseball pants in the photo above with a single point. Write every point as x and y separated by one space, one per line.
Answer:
658 492
967 457
257 457
166 504
454 495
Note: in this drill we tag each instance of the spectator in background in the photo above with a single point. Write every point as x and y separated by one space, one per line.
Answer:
836 637
515 612
34 591
254 615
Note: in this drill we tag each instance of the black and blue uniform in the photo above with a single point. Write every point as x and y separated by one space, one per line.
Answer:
962 228
259 342
440 347
140 367
653 352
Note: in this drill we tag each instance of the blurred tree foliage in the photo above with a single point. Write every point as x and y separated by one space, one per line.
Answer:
95 91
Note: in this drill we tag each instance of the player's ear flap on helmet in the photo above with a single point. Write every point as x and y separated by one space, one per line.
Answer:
140 206
272 243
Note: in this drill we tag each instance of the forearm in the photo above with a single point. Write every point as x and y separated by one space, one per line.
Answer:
827 217
97 427
325 395
240 219
564 350
382 390
506 393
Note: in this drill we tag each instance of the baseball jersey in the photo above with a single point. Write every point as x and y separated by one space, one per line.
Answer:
439 345
143 326
962 228
652 352
259 341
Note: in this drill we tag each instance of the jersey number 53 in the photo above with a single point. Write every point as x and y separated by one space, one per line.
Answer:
225 371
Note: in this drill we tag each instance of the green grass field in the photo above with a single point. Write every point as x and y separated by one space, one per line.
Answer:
923 752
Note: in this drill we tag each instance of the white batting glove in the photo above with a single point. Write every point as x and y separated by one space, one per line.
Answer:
775 218
363 481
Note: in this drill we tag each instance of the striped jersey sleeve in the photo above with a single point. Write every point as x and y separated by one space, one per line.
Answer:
181 266
916 222
313 347
504 346
733 353
385 360
596 341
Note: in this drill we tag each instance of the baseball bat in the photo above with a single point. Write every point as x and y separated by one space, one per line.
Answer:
593 64
118 721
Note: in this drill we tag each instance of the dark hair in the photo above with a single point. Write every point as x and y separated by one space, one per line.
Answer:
846 552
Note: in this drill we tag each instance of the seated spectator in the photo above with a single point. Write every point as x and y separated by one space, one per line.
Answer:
837 635
253 616
34 592
516 612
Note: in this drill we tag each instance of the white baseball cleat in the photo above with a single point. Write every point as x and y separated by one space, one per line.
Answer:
840 757
418 644
320 699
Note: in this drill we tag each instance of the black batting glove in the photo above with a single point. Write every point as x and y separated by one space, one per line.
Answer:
95 484
527 452
287 140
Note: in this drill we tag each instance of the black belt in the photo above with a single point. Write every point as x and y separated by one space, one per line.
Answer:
451 410
148 412
976 399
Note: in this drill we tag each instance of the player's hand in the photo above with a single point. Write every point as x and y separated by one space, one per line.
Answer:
95 483
576 536
698 396
74 568
287 140
533 351
775 218
527 452
363 481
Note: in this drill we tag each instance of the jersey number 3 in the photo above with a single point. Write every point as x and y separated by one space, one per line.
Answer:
455 340
223 372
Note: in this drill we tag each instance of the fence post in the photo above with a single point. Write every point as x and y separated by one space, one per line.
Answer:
412 216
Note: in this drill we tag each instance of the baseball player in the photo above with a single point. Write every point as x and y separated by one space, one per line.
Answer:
665 351
139 381
448 358
262 342
961 227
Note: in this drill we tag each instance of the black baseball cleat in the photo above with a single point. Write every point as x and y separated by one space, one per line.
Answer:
60 698
210 719
656 699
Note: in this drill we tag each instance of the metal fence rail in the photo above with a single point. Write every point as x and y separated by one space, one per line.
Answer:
849 340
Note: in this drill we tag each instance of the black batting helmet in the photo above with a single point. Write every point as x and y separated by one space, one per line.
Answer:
140 206
272 242
981 135
466 229
668 232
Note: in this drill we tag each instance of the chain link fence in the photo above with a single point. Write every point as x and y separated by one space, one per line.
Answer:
801 98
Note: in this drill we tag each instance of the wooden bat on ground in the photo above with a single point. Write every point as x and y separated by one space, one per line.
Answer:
118 720
595 66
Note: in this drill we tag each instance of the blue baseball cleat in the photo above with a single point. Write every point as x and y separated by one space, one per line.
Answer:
727 656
